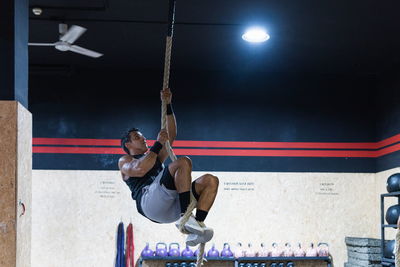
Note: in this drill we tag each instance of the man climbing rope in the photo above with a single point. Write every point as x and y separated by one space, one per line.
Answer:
162 193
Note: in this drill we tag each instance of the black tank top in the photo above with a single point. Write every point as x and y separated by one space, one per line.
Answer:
136 184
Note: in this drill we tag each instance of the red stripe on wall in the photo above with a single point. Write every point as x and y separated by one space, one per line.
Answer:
388 150
217 152
227 144
77 150
76 142
220 144
388 141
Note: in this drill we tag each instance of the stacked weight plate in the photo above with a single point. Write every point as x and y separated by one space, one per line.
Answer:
363 252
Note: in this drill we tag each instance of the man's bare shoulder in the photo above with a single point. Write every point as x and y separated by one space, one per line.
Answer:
124 159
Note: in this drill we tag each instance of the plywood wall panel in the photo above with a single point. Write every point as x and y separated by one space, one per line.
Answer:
15 184
8 141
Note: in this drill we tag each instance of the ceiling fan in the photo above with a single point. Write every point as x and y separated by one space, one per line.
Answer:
67 38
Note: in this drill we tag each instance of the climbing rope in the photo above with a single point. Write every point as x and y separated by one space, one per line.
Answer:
167 64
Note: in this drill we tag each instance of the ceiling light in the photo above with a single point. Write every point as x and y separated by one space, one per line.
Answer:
37 11
255 35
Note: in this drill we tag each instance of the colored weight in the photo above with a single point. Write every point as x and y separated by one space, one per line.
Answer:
299 252
311 251
288 252
187 252
262 252
250 252
174 250
323 250
388 251
275 252
213 252
196 253
226 251
147 252
392 214
161 250
238 251
393 183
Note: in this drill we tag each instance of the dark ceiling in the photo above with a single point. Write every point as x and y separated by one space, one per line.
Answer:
306 36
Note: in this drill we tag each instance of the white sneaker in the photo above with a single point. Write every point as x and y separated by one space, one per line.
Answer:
191 226
194 239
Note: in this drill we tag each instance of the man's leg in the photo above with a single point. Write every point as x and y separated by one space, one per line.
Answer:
205 189
181 171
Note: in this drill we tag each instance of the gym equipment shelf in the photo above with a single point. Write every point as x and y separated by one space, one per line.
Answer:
328 260
386 261
182 259
237 261
186 258
389 225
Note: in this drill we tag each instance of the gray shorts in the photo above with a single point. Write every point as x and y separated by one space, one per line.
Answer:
159 203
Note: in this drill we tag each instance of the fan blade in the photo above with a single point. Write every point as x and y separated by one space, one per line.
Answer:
62 28
72 34
84 51
41 44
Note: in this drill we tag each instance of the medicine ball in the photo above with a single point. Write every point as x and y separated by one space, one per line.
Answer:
388 251
392 214
393 183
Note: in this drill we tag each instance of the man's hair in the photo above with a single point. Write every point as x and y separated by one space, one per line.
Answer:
127 138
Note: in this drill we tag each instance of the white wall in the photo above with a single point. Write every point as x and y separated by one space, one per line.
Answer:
76 213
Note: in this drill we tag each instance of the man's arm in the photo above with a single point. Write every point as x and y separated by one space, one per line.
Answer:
171 126
139 167
166 96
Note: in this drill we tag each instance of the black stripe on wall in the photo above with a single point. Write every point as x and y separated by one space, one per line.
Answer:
220 163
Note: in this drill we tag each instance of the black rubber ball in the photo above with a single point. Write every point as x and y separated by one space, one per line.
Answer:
393 183
388 252
392 214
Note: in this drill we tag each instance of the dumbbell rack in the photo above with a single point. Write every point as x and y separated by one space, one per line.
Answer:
386 261
269 260
236 261
183 259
